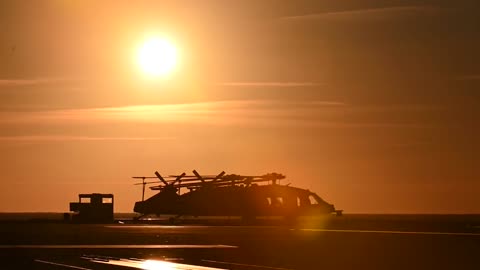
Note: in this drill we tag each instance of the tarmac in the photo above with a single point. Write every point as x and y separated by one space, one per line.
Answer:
350 242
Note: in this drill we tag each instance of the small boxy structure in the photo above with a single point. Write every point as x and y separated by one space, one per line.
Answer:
93 208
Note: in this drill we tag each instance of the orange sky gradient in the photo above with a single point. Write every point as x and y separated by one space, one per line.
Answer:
373 106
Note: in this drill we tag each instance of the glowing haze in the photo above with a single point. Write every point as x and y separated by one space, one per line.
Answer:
157 57
372 105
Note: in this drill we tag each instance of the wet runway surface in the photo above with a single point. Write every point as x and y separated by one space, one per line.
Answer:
344 245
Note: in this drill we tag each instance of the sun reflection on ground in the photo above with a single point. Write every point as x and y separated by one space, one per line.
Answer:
157 265
149 264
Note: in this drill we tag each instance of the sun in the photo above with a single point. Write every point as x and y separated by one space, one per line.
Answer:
157 57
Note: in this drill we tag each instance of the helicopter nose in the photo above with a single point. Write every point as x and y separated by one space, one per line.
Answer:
138 208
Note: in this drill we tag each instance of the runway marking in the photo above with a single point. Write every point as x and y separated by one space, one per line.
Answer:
248 265
63 265
112 246
389 232
140 226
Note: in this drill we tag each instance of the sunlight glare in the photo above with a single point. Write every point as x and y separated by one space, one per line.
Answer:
157 265
157 57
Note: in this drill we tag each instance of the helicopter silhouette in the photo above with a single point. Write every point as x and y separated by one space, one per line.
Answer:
229 195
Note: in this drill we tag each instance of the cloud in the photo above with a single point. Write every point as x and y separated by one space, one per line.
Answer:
215 113
251 113
57 138
270 84
367 13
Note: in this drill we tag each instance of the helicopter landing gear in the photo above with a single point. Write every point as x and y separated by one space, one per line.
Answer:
138 218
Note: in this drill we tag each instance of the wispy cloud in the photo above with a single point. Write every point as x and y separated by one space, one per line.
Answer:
57 138
329 114
370 13
270 84
33 81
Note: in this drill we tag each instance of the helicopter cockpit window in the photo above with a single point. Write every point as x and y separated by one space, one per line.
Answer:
275 201
312 199
278 201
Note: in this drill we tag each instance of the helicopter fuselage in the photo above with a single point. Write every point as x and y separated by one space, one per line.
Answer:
236 200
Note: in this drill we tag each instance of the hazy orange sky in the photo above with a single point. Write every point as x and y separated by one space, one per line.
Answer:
374 105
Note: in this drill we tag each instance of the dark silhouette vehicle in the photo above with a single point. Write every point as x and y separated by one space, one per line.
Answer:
93 208
230 195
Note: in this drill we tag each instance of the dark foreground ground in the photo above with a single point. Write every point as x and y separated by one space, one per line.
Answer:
349 242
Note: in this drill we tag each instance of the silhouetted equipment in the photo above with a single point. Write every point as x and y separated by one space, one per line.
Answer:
143 183
93 208
247 196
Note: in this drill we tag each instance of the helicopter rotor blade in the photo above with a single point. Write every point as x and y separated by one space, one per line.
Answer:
178 179
194 176
198 176
146 183
157 187
218 176
161 178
